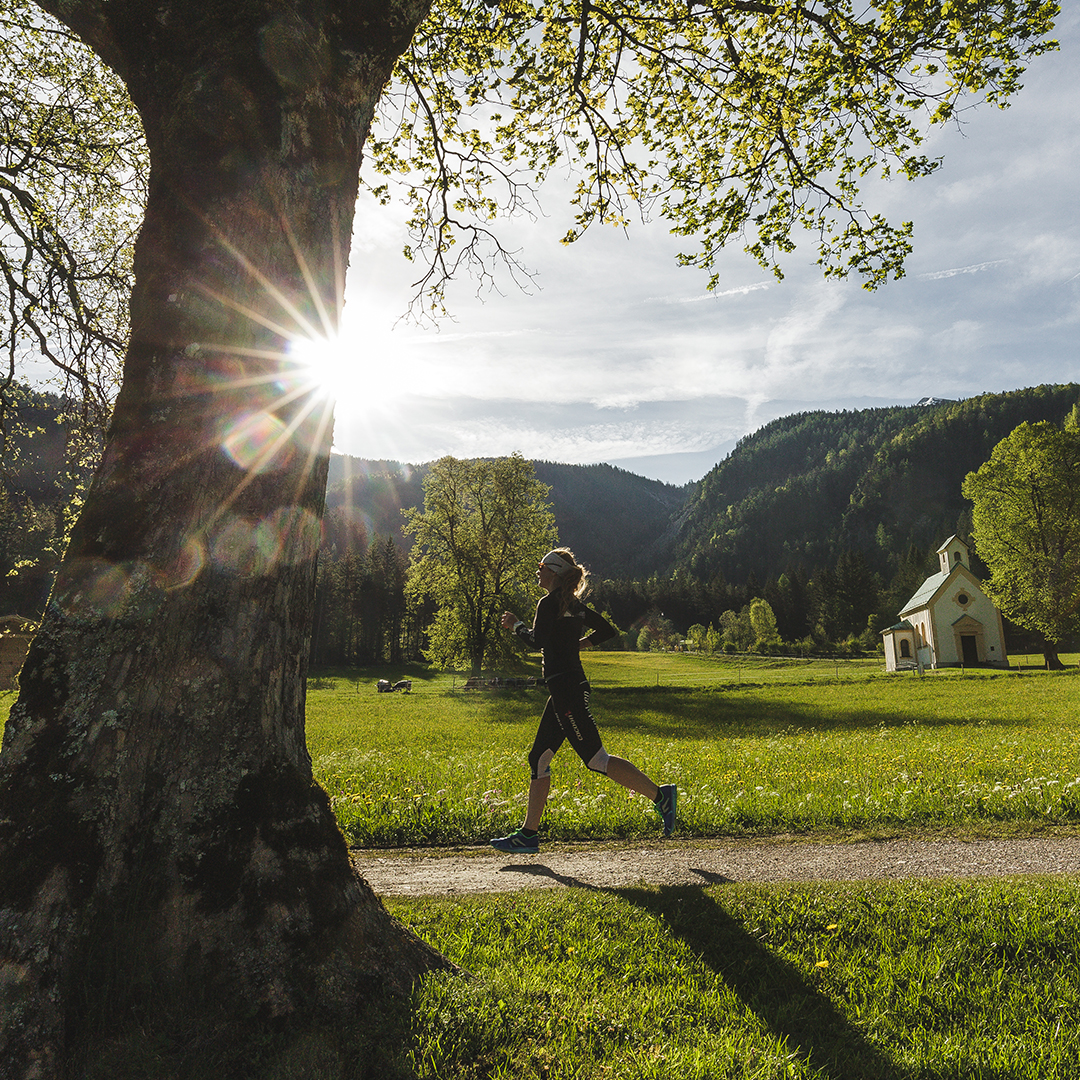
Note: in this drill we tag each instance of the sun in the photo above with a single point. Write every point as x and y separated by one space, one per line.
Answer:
322 367
365 365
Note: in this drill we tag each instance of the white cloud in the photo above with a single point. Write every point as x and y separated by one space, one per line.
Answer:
977 268
739 290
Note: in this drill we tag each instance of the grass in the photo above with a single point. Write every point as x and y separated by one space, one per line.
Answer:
755 747
913 980
906 981
909 980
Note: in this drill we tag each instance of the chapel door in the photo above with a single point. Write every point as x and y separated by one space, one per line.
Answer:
970 648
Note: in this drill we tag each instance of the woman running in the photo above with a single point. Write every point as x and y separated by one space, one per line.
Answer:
558 630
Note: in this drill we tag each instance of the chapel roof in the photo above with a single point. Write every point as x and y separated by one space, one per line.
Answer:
925 592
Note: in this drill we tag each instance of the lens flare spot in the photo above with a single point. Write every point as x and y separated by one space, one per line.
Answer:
188 565
256 442
95 587
296 531
253 548
107 591
235 548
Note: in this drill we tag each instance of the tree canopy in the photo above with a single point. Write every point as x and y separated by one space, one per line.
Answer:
484 526
744 119
72 186
1026 526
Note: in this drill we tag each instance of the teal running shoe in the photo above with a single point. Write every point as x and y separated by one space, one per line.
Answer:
666 805
517 843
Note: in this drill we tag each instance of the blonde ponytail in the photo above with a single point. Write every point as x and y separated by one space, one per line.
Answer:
572 582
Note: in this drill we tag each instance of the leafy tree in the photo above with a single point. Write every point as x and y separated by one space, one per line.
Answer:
736 629
73 172
763 622
658 634
1026 527
160 834
50 447
476 544
735 120
72 185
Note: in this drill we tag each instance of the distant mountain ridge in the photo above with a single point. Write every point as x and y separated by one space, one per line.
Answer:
798 493
805 488
617 523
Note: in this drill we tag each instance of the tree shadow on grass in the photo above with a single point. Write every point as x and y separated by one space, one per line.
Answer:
800 1015
693 714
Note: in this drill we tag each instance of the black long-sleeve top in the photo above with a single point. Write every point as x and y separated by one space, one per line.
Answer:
559 637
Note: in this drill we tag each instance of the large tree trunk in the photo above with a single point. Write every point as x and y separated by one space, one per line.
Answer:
159 827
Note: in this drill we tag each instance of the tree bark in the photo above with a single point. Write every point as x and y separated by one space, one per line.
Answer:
161 835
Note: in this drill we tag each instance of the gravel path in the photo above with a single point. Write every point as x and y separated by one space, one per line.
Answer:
480 870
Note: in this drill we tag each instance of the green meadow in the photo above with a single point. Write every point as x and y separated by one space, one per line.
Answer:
756 747
913 980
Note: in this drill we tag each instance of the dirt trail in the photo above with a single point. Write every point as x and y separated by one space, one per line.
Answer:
479 870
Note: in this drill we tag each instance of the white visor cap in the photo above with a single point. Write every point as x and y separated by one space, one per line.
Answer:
555 562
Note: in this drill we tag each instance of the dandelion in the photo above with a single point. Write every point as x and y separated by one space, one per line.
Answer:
822 964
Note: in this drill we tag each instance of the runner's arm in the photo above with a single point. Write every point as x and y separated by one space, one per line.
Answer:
601 629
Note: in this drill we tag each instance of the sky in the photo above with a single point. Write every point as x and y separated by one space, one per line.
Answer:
616 354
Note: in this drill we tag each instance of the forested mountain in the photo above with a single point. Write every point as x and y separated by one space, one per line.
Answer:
807 488
619 524
833 517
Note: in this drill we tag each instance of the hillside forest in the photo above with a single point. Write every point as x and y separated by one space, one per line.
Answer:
832 518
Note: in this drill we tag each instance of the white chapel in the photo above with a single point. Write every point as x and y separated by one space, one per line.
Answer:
949 622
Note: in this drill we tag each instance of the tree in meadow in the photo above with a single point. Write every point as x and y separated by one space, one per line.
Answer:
161 835
736 629
476 544
1026 528
763 623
